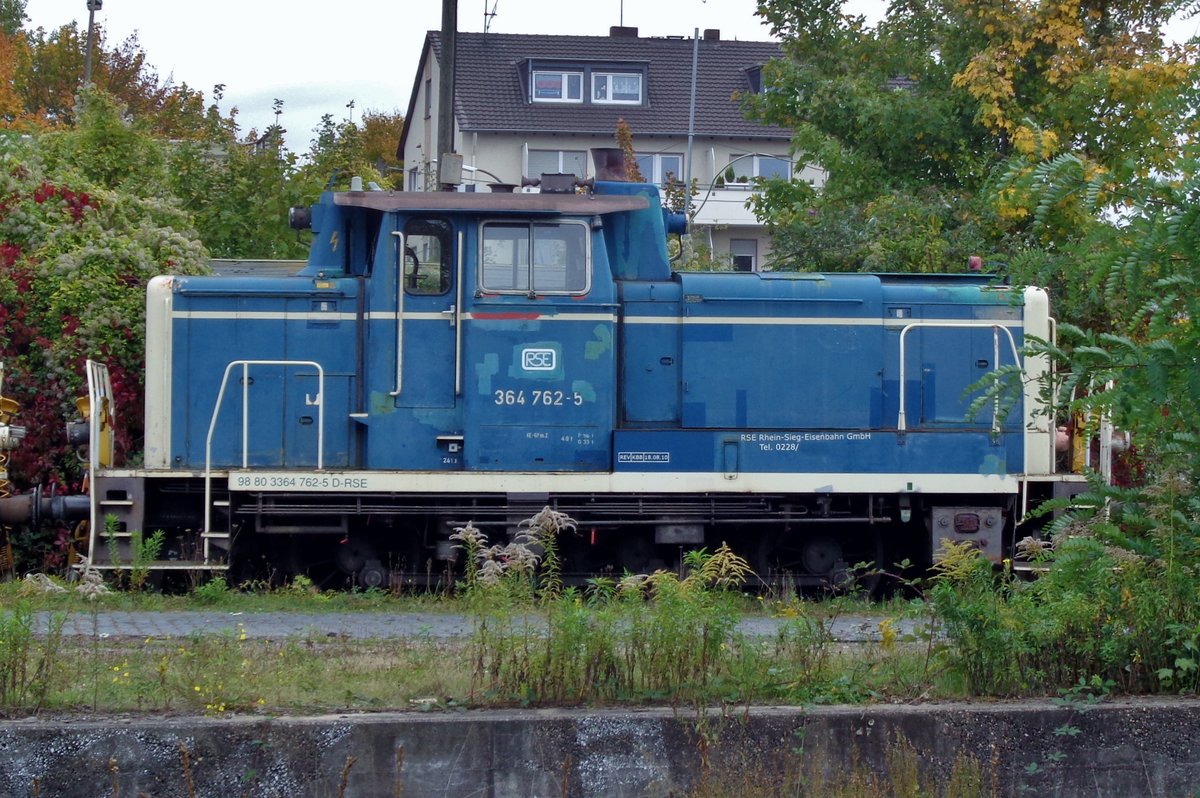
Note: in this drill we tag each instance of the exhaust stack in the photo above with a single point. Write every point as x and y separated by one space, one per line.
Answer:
610 164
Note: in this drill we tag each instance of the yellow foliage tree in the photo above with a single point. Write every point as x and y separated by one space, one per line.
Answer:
381 132
624 137
1095 77
11 107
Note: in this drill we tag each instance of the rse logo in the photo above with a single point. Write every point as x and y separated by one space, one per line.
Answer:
539 359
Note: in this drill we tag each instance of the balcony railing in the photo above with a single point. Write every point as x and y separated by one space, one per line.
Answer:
725 205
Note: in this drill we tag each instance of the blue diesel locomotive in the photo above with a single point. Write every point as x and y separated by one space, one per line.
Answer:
470 356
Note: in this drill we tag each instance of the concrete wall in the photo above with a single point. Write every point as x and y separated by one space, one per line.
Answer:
1137 748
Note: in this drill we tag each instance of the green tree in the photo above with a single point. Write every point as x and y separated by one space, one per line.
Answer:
239 190
341 150
1140 369
48 72
925 105
83 227
238 194
1144 267
12 16
107 148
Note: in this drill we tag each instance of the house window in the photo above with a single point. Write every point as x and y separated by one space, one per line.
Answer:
767 166
428 97
656 167
745 254
538 258
617 87
764 166
553 162
557 87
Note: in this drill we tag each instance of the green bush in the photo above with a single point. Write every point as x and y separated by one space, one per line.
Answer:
214 591
1098 612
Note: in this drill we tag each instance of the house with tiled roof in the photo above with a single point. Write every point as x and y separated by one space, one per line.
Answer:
526 105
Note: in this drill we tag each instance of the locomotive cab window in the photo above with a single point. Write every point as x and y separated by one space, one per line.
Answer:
537 258
427 261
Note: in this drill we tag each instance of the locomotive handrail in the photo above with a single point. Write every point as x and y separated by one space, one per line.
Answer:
212 424
808 300
400 250
458 308
901 424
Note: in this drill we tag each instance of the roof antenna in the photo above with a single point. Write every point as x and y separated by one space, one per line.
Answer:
488 15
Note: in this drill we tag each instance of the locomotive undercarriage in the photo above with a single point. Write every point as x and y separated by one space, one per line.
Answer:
382 539
378 540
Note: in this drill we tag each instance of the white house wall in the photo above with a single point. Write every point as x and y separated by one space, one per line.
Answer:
421 141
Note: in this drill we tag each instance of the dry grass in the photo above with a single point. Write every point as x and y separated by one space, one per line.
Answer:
218 675
223 674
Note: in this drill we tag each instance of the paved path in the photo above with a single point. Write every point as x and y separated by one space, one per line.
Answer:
365 625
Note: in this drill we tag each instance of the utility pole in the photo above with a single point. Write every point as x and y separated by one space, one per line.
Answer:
445 123
92 6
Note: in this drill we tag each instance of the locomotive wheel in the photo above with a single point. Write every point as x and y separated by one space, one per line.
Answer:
352 556
820 554
374 574
808 558
824 558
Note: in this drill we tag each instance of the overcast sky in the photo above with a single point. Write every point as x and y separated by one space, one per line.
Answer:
318 56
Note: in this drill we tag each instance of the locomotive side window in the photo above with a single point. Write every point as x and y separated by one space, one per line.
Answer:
427 256
542 257
505 260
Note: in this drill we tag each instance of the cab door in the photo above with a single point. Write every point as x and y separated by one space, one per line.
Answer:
428 315
413 421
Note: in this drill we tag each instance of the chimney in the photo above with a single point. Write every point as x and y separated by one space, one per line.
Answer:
712 34
617 31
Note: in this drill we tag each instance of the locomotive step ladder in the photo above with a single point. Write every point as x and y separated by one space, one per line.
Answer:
118 502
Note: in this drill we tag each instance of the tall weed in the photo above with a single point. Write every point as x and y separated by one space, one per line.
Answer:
1098 611
29 662
655 636
143 552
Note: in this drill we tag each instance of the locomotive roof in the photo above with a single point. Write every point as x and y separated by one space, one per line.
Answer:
483 202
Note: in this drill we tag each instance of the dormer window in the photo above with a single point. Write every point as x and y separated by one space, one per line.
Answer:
557 87
754 79
582 83
617 87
